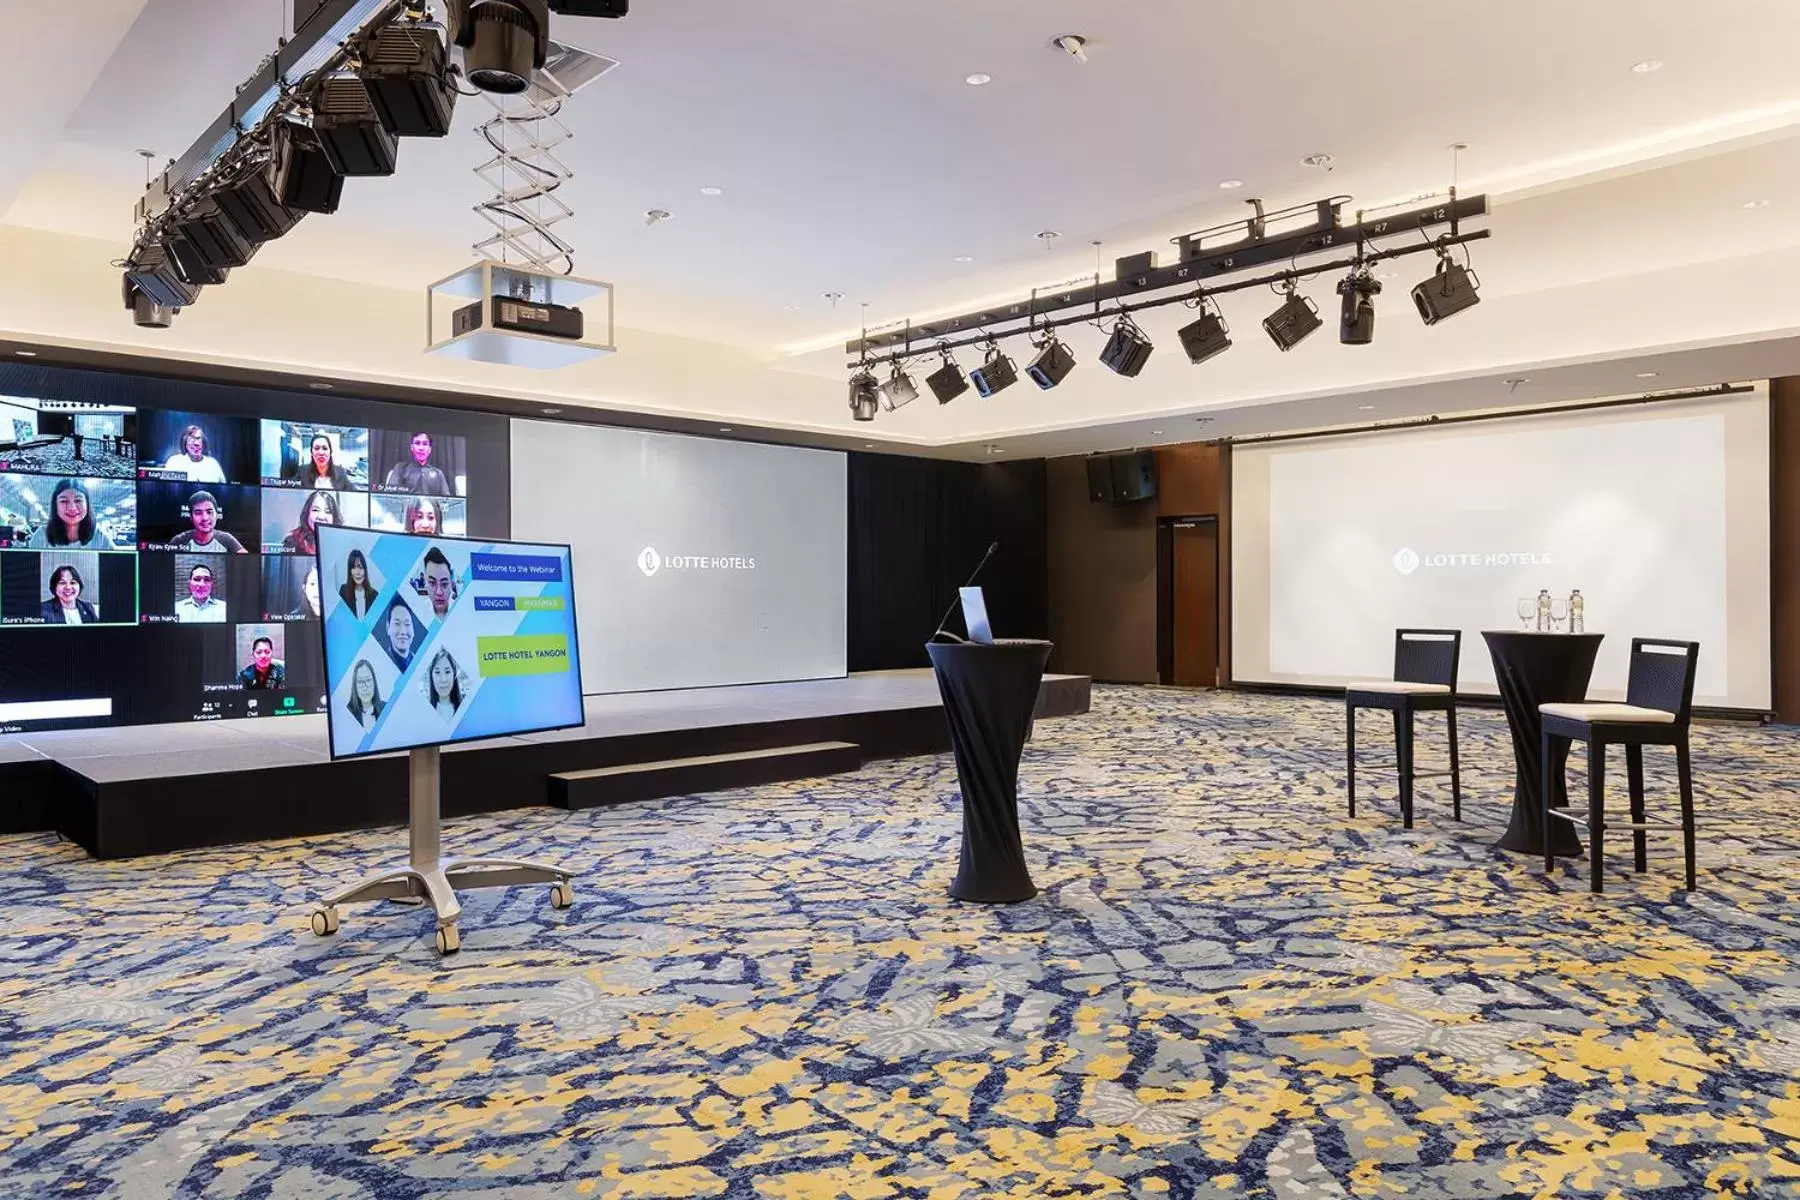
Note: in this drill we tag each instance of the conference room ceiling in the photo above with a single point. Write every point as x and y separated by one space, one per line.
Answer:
852 157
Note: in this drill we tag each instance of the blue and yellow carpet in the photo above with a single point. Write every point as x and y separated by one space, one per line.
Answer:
1226 989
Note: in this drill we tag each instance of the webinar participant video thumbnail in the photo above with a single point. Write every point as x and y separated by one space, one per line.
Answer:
200 448
68 588
418 463
189 518
427 515
299 454
61 437
43 512
291 519
197 589
290 588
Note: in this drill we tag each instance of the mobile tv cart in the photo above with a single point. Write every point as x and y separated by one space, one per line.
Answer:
430 877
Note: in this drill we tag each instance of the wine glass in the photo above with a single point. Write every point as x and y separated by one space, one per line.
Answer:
1559 612
1527 611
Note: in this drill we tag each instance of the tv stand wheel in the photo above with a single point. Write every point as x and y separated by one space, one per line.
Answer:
448 941
324 921
562 895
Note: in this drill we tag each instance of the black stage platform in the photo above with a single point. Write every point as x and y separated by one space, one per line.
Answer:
152 789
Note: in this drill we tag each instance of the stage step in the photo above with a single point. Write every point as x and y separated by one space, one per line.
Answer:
708 773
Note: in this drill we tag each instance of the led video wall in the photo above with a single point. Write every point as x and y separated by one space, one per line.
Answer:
157 537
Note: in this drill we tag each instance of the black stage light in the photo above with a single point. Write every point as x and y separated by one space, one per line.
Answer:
348 129
503 41
947 382
151 272
192 266
591 8
406 69
1356 323
899 391
1452 289
865 396
1293 322
214 236
251 204
1205 338
1127 350
995 375
300 173
146 312
1052 365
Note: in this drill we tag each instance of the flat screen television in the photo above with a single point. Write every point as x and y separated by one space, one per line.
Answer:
431 640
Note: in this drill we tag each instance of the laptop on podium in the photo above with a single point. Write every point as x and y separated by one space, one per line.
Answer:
975 615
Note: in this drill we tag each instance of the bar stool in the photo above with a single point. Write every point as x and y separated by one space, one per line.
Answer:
1425 667
1659 699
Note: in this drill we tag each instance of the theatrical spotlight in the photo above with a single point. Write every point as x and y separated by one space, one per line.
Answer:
947 382
406 69
300 174
214 237
352 135
150 272
1294 321
1052 365
899 391
145 312
996 374
1207 337
250 203
865 396
1356 323
1452 289
503 41
1127 350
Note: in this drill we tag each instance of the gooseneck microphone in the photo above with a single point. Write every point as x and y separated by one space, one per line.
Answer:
943 633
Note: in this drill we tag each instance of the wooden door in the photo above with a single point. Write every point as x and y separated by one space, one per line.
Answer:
1195 604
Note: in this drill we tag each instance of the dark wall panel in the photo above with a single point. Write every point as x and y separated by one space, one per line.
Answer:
917 528
1102 581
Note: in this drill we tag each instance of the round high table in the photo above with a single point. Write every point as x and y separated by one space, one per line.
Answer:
990 693
1533 669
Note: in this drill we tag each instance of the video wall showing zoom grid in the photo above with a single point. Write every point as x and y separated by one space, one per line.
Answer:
157 538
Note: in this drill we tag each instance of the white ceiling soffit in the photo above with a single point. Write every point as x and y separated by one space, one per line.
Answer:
853 158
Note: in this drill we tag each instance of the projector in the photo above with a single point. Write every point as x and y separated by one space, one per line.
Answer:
520 316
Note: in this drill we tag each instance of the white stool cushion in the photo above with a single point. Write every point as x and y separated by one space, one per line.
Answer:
1615 713
1397 687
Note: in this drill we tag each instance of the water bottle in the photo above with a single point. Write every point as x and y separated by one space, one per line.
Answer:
1577 612
1543 610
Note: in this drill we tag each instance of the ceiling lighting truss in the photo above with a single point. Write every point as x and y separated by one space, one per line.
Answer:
1220 253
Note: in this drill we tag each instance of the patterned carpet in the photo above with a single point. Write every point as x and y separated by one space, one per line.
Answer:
1226 989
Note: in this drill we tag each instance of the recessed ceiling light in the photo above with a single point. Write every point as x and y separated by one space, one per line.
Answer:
712 191
868 445
979 80
26 353
319 385
724 429
1648 66
965 258
551 412
1047 235
1228 184
1756 204
1365 408
1516 380
1156 433
790 308
1321 161
1646 374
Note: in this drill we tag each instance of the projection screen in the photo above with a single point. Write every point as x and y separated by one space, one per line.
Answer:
698 561
1658 513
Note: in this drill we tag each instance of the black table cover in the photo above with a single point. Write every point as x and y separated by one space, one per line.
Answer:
989 695
1534 669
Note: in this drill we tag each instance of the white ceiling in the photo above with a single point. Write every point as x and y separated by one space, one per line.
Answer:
855 159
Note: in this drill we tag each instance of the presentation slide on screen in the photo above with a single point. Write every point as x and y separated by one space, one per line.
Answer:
1658 514
699 561
430 640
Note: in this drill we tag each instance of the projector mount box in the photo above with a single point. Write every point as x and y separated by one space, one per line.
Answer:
519 317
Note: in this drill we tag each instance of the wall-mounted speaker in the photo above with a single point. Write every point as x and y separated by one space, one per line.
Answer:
1099 472
1133 477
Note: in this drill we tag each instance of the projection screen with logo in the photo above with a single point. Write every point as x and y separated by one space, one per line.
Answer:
698 562
1658 513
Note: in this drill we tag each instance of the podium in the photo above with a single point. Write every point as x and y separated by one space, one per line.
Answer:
990 693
